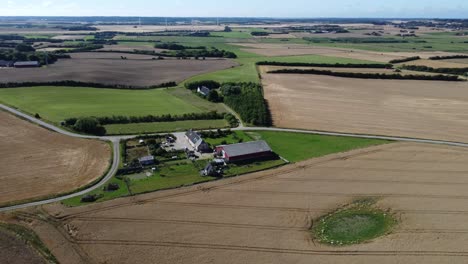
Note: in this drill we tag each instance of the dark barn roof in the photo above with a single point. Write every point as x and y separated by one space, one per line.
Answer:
146 159
248 148
4 63
26 63
204 90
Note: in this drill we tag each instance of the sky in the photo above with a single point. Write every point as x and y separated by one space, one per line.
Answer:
239 8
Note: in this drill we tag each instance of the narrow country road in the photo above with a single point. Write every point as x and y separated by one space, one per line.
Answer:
115 140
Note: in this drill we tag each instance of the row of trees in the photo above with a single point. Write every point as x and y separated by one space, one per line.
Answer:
208 53
109 120
449 57
405 59
395 76
27 53
207 83
71 83
175 46
455 71
334 65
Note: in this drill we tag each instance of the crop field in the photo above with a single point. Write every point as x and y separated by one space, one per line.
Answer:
57 103
421 109
255 219
109 68
37 163
456 63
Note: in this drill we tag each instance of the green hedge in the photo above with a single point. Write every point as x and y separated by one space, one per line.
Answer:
335 65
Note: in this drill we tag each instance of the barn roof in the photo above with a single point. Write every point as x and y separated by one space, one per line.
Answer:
26 63
248 148
204 90
193 136
146 158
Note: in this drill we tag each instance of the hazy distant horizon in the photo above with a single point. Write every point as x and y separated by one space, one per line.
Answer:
292 9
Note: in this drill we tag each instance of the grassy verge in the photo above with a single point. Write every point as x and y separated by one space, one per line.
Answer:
145 128
31 239
353 225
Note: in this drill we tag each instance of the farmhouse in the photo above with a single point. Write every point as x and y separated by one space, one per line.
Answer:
203 90
147 160
244 151
4 63
197 142
26 64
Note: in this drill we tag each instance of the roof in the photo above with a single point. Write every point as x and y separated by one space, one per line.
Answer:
248 148
26 63
4 62
204 90
193 136
146 158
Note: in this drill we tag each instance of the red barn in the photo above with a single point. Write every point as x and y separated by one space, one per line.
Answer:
244 151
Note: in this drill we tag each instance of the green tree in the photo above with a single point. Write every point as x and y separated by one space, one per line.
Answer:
24 48
89 125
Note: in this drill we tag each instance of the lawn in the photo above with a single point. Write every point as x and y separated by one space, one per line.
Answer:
57 103
144 128
235 137
299 146
104 196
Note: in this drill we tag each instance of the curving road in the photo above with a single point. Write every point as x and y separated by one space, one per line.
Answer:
115 140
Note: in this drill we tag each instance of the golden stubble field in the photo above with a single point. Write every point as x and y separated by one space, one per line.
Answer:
265 217
36 163
406 108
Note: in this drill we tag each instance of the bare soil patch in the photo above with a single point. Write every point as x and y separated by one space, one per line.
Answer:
37 163
265 217
421 109
15 251
110 68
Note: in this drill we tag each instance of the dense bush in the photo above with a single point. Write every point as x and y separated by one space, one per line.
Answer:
174 46
456 71
208 53
24 48
214 97
259 33
335 65
89 125
405 59
395 76
85 84
231 119
249 103
208 83
15 55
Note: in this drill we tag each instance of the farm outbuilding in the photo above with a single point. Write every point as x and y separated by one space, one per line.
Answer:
4 63
147 161
26 64
245 151
205 91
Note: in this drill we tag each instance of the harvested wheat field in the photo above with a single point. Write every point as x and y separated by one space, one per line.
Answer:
438 63
265 49
255 219
406 108
110 68
37 163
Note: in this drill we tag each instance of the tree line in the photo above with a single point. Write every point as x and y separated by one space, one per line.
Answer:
395 76
455 71
207 83
71 83
333 65
449 57
405 59
175 46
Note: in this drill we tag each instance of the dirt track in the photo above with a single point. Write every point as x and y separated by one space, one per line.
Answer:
255 219
419 109
109 68
37 163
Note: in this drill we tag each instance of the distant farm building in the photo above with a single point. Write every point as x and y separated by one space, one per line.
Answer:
26 64
147 161
245 151
197 142
205 91
4 63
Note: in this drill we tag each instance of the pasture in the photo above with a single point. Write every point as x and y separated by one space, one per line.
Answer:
38 163
57 103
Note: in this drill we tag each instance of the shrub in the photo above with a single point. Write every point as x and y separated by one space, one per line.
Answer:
335 65
89 125
405 59
208 83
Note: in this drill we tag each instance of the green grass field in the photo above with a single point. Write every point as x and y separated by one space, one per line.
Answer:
57 103
144 128
298 146
353 225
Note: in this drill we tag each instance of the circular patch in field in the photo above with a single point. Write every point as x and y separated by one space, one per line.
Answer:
352 226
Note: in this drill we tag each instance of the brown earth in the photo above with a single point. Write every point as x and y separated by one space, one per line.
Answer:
109 68
37 163
265 217
407 108
265 49
15 251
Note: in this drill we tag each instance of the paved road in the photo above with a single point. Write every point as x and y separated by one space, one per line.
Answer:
116 149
